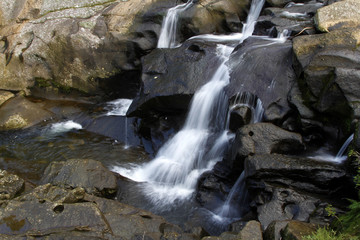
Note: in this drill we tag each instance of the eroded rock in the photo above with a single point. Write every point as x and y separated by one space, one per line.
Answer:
85 173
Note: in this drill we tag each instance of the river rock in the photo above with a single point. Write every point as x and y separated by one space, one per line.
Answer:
57 213
86 173
10 185
5 95
209 16
266 73
325 60
239 117
262 138
303 174
342 14
293 19
296 230
171 76
19 112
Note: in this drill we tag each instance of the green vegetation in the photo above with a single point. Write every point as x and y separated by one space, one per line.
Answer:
346 226
329 234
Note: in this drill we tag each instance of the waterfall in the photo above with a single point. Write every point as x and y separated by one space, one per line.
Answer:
173 174
167 38
339 156
239 188
251 101
254 13
171 177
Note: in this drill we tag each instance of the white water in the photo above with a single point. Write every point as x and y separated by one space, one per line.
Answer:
118 107
172 176
251 101
238 188
167 38
64 127
339 158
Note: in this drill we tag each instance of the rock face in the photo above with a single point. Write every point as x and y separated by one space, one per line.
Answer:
262 138
343 14
88 174
325 68
266 73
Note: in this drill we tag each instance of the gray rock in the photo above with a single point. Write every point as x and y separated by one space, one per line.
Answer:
274 229
85 173
266 73
304 174
171 76
262 138
339 15
10 185
251 231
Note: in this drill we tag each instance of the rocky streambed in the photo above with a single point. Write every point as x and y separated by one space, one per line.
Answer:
61 63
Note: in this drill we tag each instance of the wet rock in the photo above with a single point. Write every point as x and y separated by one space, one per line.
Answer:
304 174
239 117
279 204
4 96
296 230
267 73
19 113
10 185
293 18
209 16
85 173
171 76
339 15
262 138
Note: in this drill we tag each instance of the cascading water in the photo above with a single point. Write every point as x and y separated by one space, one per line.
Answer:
251 101
340 155
339 158
167 38
173 174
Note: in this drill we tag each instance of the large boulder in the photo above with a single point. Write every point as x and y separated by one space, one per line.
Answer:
262 138
171 76
325 64
303 174
265 72
70 45
86 173
57 213
342 14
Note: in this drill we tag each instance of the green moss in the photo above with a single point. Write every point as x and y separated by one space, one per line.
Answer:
43 83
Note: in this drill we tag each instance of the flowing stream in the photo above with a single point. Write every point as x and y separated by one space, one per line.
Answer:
167 38
172 176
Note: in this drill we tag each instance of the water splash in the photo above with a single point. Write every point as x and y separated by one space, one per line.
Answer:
118 107
172 176
62 127
339 158
167 38
249 100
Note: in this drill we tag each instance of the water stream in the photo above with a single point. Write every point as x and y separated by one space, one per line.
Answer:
167 38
